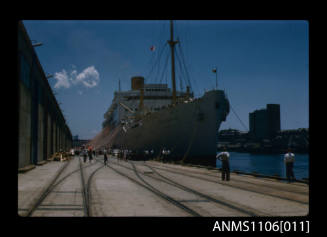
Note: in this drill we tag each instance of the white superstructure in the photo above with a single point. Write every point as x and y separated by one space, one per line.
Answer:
156 97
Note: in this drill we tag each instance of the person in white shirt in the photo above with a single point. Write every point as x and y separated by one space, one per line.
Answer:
163 153
289 159
125 154
225 170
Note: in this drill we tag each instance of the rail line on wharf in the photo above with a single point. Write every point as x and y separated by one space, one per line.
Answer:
58 179
47 191
244 210
160 194
230 185
287 189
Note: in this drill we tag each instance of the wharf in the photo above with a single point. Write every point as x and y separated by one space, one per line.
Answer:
151 188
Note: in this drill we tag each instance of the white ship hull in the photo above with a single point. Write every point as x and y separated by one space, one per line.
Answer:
188 130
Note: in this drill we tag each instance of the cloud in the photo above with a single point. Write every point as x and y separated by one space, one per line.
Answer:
89 78
62 79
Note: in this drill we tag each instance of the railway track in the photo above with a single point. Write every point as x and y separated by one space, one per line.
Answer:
244 210
47 191
84 190
149 177
59 179
150 188
88 191
287 188
251 189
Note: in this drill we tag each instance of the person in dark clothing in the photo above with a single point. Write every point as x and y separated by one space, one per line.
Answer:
90 155
85 155
225 170
105 157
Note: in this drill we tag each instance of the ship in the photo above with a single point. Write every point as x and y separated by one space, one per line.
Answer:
154 117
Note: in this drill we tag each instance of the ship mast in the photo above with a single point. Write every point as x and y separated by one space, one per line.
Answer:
172 43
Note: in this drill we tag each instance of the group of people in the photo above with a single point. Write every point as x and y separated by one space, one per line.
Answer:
123 154
165 152
148 154
289 159
224 156
91 153
88 152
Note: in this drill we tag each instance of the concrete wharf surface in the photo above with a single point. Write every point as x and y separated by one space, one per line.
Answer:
151 188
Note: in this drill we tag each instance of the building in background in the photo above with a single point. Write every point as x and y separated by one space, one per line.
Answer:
273 112
78 143
265 135
265 123
42 128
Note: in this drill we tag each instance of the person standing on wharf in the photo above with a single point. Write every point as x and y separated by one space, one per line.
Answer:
289 162
224 158
105 157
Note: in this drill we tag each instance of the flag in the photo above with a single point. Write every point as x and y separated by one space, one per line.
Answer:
214 70
152 48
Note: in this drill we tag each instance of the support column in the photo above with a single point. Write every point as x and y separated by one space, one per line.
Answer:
24 126
40 139
49 137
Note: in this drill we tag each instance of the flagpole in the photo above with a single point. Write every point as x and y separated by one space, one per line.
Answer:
215 71
216 80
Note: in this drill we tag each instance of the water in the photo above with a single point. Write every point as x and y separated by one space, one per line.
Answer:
267 164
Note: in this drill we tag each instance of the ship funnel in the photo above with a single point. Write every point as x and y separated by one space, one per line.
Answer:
137 83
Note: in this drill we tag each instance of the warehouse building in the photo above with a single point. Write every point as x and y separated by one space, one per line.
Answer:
42 129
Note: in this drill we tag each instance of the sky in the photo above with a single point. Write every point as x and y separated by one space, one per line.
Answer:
258 63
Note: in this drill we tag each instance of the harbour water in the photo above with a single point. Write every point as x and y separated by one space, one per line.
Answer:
268 164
